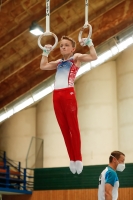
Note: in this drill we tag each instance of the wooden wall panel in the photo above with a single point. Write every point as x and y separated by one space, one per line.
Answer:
82 194
125 194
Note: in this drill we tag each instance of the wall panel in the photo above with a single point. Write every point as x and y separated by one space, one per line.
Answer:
82 194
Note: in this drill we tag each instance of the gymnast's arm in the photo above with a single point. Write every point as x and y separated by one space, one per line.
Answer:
45 65
87 57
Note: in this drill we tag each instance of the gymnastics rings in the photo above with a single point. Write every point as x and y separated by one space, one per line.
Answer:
86 25
47 33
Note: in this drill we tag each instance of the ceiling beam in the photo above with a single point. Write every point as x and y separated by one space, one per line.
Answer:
21 29
68 30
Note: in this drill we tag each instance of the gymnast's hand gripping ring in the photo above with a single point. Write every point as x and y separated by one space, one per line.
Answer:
81 31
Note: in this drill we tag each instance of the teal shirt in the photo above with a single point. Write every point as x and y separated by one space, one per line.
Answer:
108 176
111 176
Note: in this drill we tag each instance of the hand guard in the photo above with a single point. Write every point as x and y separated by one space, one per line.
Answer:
47 50
86 42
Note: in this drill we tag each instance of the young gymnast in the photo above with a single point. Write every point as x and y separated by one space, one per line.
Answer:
64 100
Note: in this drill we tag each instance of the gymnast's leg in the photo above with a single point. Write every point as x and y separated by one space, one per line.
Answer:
59 108
71 113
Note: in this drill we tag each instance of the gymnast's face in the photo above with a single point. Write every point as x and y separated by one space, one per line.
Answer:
66 47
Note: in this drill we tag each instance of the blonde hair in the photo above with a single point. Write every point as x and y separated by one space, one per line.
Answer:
70 39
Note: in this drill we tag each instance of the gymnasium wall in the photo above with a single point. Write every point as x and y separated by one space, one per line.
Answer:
97 100
125 102
105 101
61 178
16 134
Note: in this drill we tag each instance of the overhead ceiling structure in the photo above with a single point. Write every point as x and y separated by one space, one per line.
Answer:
19 52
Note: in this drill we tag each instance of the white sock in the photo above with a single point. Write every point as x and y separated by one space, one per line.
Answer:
79 166
72 167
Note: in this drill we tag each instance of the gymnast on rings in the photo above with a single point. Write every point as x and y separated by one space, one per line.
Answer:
64 99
